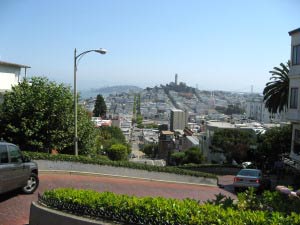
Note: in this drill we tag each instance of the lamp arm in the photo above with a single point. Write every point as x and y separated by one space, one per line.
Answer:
83 53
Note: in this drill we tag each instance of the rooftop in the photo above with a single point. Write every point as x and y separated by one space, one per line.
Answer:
167 132
294 31
13 65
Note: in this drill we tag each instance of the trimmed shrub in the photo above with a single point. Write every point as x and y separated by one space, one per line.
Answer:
155 210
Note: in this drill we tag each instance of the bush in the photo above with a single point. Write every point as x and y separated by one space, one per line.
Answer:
192 155
268 201
155 210
117 152
100 160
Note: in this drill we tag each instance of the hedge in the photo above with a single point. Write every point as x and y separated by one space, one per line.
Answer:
155 210
105 161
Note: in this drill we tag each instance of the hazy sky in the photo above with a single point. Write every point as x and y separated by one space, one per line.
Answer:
227 45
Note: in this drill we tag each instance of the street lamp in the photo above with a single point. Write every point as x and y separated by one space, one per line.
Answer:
76 60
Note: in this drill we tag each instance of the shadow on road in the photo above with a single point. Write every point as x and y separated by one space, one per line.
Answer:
4 197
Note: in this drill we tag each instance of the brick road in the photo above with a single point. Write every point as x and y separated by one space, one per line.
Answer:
15 207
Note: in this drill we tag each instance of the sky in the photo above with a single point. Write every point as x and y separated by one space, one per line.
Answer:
214 44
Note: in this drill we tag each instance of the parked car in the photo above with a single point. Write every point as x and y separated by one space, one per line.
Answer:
251 178
16 171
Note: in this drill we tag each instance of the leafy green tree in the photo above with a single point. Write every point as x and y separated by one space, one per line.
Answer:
276 92
100 107
39 116
235 144
109 136
178 158
274 142
150 150
193 155
117 152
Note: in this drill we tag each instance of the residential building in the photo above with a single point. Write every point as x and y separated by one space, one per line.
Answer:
10 75
178 119
165 144
294 106
256 110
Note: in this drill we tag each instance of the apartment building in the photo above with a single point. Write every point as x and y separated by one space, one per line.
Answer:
178 119
294 106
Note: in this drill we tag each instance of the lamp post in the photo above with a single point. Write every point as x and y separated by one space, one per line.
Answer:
76 60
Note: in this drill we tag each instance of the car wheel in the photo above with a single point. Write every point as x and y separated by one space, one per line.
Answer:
32 184
236 189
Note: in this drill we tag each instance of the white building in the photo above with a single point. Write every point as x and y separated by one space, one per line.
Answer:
294 104
178 119
256 110
10 75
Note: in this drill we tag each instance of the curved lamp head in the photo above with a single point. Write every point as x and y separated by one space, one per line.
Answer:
101 51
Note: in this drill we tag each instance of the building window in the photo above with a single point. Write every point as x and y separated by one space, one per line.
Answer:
296 55
294 98
296 147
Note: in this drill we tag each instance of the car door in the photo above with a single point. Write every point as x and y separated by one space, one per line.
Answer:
6 181
20 172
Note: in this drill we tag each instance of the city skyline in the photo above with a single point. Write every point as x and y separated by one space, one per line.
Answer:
215 45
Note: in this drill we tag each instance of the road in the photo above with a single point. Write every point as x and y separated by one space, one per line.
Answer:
15 207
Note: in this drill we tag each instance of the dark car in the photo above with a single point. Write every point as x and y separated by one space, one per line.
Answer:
16 171
251 178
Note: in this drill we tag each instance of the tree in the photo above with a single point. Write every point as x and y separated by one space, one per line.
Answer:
235 144
39 116
118 152
192 155
100 107
109 136
178 158
276 92
274 142
150 150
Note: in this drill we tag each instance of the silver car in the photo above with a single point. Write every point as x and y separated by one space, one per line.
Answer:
16 171
251 178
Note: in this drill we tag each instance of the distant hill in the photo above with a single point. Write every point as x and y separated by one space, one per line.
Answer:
109 90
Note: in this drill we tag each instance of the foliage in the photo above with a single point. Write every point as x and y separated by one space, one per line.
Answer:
109 136
234 143
231 109
117 152
273 143
157 210
223 201
150 150
100 107
268 201
99 160
276 92
39 115
151 126
178 158
192 155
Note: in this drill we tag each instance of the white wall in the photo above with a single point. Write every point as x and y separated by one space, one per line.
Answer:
8 77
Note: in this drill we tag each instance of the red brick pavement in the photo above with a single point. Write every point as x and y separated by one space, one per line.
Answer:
15 207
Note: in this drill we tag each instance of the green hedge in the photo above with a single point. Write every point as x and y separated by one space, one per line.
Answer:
156 210
193 165
105 161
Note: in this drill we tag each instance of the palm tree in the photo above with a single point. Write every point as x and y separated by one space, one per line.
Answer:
276 92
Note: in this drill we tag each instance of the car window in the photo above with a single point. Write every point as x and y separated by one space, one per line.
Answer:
3 154
250 173
15 154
